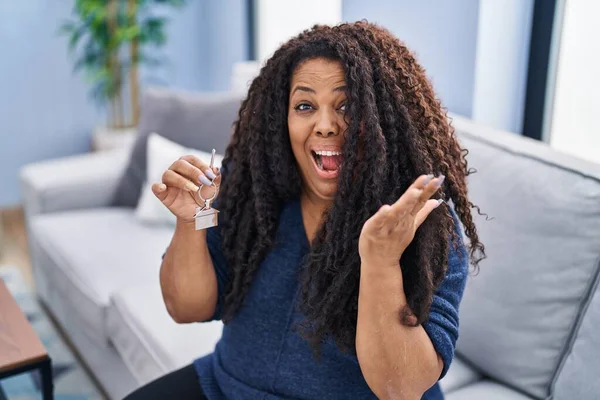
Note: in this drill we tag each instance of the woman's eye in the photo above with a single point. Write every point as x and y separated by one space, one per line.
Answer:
343 107
303 107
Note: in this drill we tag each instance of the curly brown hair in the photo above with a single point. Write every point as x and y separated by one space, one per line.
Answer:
391 106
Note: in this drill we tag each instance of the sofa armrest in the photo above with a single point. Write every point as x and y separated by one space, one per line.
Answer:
75 182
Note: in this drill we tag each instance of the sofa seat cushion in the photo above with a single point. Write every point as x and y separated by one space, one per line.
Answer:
148 340
459 375
94 253
487 390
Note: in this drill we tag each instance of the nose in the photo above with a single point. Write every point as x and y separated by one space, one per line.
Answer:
326 124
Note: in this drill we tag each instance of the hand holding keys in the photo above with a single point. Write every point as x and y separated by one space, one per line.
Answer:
206 216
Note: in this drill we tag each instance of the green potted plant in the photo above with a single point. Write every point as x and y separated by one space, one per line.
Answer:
111 39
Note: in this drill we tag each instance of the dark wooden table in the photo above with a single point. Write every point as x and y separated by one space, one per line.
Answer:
20 347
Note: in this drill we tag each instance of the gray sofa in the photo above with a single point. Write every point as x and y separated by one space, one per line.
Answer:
529 320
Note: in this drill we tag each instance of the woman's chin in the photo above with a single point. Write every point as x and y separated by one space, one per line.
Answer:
325 190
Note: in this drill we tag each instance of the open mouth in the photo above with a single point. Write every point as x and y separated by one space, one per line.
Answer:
327 162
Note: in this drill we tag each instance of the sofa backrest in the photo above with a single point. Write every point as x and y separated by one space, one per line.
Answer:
527 319
201 121
579 376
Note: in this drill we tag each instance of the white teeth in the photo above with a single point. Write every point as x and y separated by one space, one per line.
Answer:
328 153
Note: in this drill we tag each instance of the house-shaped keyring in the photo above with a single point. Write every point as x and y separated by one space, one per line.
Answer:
206 218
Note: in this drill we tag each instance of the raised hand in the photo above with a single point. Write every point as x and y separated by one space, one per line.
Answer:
386 235
180 183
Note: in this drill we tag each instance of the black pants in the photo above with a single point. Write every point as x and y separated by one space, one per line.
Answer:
181 385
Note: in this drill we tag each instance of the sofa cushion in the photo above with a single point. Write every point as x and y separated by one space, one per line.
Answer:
487 390
201 121
95 253
459 375
148 340
541 236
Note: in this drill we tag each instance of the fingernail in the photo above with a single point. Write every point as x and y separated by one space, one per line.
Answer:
191 186
428 179
440 180
162 187
205 180
439 202
210 174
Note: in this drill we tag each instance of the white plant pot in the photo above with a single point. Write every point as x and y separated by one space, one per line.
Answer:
105 138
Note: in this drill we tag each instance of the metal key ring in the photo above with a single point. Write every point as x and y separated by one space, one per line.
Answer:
209 199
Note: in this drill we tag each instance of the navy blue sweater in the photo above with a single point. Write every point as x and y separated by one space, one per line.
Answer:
261 356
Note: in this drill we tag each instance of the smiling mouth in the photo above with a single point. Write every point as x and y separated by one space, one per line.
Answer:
327 161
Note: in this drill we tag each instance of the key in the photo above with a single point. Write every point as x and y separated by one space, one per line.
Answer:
207 217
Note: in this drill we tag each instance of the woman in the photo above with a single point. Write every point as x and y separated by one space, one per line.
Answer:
338 264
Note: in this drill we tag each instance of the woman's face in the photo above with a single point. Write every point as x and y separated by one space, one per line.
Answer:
316 123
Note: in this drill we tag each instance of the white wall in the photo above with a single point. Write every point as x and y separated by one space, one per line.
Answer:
576 109
279 20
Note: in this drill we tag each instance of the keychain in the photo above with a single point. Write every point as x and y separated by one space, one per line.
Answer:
206 216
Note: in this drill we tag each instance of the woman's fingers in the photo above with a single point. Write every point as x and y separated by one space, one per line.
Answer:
412 201
415 202
190 174
204 174
411 196
424 212
390 215
430 185
195 161
190 171
172 178
160 191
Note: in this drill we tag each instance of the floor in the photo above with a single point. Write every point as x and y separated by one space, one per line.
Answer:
13 241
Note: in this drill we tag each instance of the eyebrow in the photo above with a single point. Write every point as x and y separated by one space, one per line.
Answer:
304 89
311 90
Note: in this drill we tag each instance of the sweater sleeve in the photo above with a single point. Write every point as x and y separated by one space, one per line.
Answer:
442 324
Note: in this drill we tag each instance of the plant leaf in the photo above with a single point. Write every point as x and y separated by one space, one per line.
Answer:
99 41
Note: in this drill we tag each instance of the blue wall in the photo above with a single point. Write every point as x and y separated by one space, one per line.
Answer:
205 40
443 34
184 54
227 33
474 51
502 59
44 109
